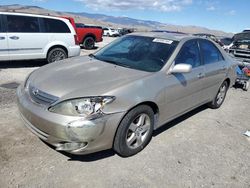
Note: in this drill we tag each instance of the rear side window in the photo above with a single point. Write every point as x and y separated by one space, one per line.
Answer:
210 52
22 24
189 54
55 26
1 25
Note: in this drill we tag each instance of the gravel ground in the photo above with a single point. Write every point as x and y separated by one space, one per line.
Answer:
204 148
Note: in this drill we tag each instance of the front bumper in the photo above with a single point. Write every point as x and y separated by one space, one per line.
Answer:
72 134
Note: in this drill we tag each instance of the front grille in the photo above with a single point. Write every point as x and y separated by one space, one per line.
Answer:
41 97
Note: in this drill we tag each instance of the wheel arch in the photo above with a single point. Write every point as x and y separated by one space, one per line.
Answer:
58 46
89 35
151 104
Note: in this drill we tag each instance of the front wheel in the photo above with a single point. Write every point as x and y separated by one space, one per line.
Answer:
56 54
220 97
135 131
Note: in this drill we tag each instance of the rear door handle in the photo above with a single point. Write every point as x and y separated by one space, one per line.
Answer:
2 38
14 37
201 75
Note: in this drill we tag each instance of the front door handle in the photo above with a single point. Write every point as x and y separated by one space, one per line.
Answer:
14 37
201 75
2 38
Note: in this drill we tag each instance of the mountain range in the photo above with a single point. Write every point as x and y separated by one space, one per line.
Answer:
111 21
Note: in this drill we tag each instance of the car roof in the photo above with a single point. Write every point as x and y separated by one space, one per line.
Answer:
163 35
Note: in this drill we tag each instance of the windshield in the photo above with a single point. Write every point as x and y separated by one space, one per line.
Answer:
245 36
138 52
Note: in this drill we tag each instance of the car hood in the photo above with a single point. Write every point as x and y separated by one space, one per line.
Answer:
82 76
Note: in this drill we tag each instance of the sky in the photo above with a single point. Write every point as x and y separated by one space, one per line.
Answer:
225 15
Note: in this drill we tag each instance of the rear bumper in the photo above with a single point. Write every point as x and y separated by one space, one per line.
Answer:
74 51
87 136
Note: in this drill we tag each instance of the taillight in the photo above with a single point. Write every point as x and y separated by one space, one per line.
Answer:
76 40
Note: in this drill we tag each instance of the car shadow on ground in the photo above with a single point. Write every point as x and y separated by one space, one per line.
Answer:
94 48
179 120
22 64
108 153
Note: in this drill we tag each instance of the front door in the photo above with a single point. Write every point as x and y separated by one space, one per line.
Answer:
184 90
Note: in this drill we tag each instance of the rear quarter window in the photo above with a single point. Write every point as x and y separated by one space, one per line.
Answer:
22 24
55 26
210 52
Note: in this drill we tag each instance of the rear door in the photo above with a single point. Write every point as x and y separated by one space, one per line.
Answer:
215 68
25 39
4 49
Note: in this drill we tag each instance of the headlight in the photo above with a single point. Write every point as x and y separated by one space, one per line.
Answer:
85 107
27 81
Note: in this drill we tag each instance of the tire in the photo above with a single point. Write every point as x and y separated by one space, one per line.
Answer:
89 43
135 131
220 96
56 54
108 34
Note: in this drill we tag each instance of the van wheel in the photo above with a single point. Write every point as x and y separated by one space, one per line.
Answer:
135 131
89 43
56 54
220 97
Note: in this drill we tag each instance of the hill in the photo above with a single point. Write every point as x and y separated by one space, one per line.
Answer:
111 21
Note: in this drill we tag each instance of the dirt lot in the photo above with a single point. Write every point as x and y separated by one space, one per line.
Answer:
204 148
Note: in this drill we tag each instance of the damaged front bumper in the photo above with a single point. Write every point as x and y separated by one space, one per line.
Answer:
75 135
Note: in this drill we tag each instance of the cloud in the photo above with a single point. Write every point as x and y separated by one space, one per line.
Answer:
211 8
231 12
162 5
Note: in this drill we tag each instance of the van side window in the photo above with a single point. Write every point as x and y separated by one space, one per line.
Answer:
1 27
210 53
22 24
189 54
55 26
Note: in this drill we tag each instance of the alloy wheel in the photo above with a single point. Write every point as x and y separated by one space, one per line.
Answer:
138 131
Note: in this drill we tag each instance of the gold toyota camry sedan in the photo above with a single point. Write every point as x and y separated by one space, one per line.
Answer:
118 96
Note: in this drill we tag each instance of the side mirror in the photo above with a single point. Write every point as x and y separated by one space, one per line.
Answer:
181 68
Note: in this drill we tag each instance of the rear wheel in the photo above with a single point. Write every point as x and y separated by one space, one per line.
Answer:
56 54
89 43
220 97
135 131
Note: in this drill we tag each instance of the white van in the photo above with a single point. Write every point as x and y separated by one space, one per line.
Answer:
28 37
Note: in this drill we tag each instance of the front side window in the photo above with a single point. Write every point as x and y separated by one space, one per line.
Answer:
210 52
138 52
189 54
22 24
55 26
